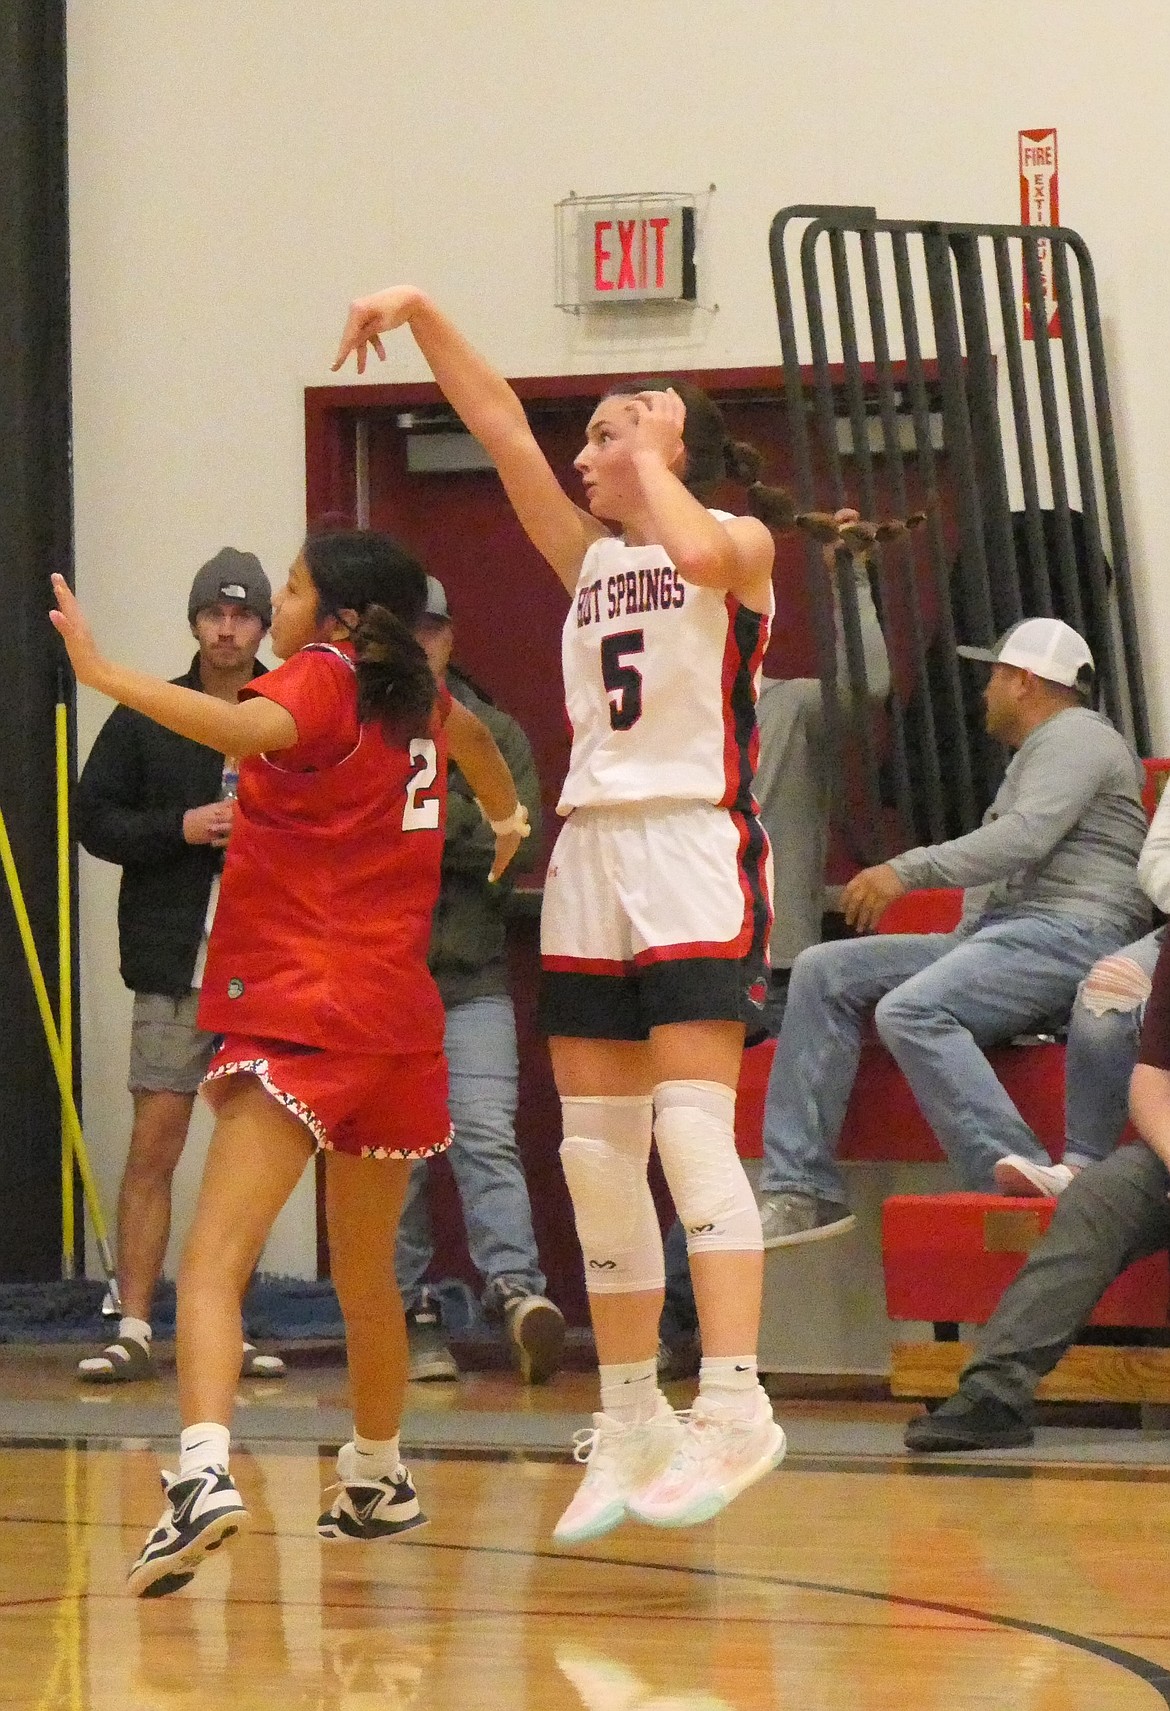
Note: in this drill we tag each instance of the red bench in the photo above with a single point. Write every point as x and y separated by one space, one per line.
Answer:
883 1123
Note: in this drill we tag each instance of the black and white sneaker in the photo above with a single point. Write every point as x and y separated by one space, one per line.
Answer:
202 1511
535 1327
370 1508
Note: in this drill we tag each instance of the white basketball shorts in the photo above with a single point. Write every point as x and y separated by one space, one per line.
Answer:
654 913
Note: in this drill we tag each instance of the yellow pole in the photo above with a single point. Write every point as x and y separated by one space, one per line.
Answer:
65 981
52 1040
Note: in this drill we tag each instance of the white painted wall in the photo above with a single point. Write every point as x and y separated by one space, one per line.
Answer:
240 168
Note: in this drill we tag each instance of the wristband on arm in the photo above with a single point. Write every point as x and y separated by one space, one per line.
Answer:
517 821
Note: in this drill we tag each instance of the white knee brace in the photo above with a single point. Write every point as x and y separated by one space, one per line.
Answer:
694 1126
604 1156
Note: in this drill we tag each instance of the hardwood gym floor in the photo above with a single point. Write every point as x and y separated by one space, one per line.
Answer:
852 1578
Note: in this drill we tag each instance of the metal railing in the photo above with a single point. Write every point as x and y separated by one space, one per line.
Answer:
926 394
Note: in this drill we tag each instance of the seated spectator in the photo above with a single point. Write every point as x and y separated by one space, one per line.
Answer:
467 959
1113 1213
796 768
1050 881
1103 1038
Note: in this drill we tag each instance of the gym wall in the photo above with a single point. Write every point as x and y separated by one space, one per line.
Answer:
238 172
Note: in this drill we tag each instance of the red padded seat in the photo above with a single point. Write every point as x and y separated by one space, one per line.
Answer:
949 1258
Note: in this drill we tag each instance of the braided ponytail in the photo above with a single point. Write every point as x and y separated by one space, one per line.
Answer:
743 463
359 570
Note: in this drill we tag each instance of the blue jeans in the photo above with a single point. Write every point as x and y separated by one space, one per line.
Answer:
480 1043
1102 1050
940 998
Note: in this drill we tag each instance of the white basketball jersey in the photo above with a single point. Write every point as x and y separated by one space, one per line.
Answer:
661 681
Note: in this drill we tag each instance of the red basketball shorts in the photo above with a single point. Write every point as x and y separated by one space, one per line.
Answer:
359 1103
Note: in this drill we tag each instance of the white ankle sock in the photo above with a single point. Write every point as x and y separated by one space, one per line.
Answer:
136 1328
629 1393
731 1379
201 1446
375 1458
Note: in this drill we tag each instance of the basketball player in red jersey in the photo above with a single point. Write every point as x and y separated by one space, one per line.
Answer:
656 908
317 980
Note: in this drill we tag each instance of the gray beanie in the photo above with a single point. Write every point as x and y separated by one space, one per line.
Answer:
231 575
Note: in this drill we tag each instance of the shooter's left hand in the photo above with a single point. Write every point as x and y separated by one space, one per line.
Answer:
70 623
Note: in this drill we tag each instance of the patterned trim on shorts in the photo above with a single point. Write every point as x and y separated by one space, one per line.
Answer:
259 1067
402 1153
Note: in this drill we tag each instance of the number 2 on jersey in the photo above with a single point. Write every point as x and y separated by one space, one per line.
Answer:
624 681
421 813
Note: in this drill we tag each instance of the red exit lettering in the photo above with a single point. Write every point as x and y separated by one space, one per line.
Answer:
638 262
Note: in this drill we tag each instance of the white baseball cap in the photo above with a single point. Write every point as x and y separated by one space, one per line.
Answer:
1047 646
436 599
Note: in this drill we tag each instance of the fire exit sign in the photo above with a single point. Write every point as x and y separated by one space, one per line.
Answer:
634 251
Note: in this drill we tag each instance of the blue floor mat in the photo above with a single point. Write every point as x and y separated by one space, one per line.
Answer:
282 1309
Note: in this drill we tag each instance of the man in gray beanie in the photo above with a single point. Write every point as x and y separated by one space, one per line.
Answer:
161 807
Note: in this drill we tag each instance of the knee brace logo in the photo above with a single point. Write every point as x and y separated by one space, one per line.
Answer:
700 1229
603 1265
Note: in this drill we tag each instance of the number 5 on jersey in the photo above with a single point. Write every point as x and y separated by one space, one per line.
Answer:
622 680
421 813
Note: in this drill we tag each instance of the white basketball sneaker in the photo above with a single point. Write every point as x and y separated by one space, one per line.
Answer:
724 1449
619 1460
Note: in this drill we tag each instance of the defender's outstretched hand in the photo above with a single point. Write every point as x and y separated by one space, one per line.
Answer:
71 624
370 316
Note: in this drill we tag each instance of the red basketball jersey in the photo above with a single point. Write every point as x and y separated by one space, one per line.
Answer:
331 877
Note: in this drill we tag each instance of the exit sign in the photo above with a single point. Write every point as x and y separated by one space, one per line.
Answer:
634 251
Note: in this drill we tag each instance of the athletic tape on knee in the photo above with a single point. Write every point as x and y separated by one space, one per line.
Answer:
694 1126
604 1156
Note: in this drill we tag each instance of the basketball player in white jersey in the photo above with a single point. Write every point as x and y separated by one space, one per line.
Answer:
656 909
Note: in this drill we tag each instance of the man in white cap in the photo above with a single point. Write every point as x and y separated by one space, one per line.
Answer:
1050 886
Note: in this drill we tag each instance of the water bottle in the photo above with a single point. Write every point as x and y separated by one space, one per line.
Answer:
230 780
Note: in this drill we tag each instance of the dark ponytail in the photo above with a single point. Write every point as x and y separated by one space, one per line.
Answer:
365 572
772 505
713 456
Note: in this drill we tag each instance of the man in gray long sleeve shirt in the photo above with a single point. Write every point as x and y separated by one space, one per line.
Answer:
1050 881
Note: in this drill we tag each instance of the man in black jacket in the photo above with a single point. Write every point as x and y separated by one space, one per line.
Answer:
161 807
467 959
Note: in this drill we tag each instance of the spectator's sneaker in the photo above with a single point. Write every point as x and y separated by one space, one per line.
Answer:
370 1508
972 1422
790 1218
680 1359
536 1330
430 1359
619 1460
1016 1175
723 1450
202 1511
